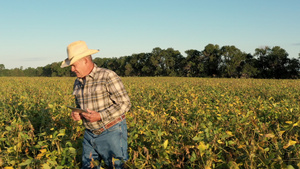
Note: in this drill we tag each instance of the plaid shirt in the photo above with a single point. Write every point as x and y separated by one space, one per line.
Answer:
101 91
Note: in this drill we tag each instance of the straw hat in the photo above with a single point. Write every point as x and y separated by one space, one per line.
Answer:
76 51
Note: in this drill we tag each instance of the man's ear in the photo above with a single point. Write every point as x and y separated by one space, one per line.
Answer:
85 60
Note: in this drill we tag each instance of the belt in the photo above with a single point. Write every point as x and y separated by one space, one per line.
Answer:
109 125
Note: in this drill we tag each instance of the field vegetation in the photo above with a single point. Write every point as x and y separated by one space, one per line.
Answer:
174 122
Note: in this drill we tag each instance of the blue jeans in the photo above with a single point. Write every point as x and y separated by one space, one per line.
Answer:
110 146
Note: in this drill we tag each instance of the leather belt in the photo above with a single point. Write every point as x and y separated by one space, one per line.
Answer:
109 125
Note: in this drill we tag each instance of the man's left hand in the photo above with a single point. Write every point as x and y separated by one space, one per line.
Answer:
92 116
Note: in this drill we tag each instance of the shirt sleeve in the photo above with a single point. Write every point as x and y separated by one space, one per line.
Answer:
118 95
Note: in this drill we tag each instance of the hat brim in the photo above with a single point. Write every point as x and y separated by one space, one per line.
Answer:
68 62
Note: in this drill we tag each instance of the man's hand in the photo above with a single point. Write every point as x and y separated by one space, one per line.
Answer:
92 116
76 116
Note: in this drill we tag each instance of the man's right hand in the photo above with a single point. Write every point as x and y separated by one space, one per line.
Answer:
76 116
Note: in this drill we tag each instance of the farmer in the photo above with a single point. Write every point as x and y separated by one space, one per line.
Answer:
101 92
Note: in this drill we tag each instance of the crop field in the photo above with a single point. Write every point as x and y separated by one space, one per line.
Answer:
173 123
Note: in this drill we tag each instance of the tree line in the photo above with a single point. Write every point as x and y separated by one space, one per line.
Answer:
213 61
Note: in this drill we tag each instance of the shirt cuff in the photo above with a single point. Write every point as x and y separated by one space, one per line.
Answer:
101 114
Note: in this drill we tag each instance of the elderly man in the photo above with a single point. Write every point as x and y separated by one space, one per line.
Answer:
102 94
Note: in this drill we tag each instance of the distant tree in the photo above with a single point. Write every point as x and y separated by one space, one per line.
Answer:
113 64
30 72
102 62
137 62
228 61
128 70
157 62
47 71
194 64
16 72
172 62
166 62
248 67
141 64
272 62
2 68
122 61
146 65
293 68
280 62
232 59
39 71
262 61
212 57
56 70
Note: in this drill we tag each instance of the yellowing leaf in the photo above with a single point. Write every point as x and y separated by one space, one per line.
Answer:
220 142
166 144
229 133
43 150
290 143
202 146
50 105
61 134
173 118
281 132
241 146
39 156
270 135
289 122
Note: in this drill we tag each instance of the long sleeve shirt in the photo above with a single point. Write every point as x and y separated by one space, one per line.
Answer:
101 91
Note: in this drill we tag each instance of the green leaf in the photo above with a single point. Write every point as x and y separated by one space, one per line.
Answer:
193 157
25 163
8 128
196 138
72 150
46 166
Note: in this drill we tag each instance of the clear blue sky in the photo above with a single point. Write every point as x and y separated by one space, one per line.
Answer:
35 33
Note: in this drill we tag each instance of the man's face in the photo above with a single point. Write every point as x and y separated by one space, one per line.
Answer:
79 68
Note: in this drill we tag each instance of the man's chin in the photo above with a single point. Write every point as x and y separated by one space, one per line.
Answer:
79 76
